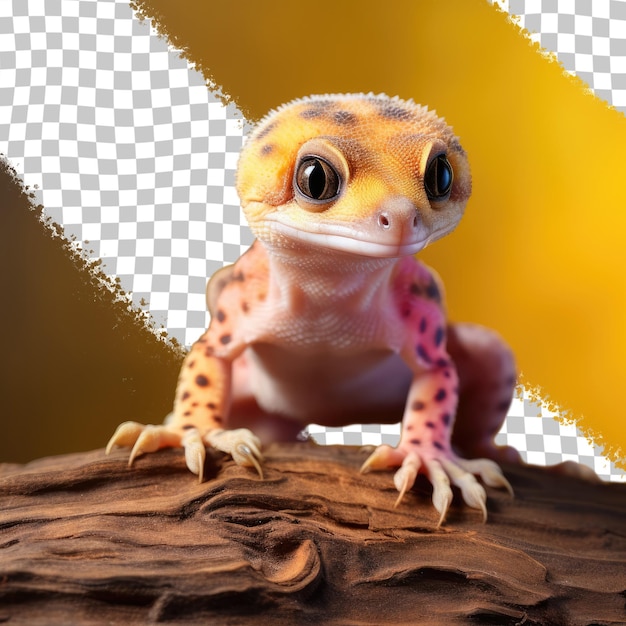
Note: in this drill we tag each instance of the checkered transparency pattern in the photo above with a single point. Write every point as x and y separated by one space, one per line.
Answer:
588 37
532 429
131 152
135 158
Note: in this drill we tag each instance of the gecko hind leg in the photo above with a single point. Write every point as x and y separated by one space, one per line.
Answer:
487 379
486 371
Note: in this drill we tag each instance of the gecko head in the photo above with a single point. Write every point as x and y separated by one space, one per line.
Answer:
362 174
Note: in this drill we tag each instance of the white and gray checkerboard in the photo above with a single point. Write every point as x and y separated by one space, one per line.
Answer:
135 158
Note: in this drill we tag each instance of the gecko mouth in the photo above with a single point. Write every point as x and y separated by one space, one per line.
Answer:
347 239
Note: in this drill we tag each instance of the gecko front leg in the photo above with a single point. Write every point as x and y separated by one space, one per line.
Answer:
425 441
425 446
201 407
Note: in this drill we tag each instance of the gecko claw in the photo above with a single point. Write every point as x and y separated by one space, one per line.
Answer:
249 457
442 493
405 477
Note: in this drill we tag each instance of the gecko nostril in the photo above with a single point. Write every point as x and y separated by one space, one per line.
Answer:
383 221
415 221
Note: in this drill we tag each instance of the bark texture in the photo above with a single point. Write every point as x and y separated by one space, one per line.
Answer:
85 540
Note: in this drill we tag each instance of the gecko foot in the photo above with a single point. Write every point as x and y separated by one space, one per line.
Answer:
442 469
241 444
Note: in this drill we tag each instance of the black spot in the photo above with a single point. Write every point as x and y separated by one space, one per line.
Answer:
191 364
210 405
202 381
322 103
409 427
344 117
446 374
393 111
188 426
308 114
416 442
185 395
441 395
221 316
418 405
457 147
432 291
415 289
437 445
187 413
194 404
440 333
445 418
430 424
267 149
423 324
421 352
442 363
238 277
244 307
504 405
265 131
218 419
225 339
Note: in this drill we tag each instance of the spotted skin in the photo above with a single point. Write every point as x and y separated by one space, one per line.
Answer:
330 318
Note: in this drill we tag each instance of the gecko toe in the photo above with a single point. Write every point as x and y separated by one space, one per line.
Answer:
489 472
146 442
473 492
195 453
151 439
383 457
405 477
442 493
125 435
243 445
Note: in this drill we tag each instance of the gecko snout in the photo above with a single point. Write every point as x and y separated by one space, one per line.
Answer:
384 221
399 218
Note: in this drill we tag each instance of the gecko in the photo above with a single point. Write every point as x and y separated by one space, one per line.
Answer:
330 318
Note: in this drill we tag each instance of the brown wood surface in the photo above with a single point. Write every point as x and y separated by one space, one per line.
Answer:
85 540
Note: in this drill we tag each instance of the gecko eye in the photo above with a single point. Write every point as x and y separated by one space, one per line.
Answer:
438 178
316 179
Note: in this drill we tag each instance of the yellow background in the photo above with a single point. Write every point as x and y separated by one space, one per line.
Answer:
541 253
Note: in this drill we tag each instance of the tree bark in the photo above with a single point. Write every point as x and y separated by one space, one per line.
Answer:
85 540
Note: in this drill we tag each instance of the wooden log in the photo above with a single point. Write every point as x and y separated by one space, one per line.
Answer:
85 540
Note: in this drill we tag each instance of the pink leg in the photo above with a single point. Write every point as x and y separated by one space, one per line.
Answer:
487 377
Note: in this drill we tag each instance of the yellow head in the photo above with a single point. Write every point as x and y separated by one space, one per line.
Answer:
364 174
